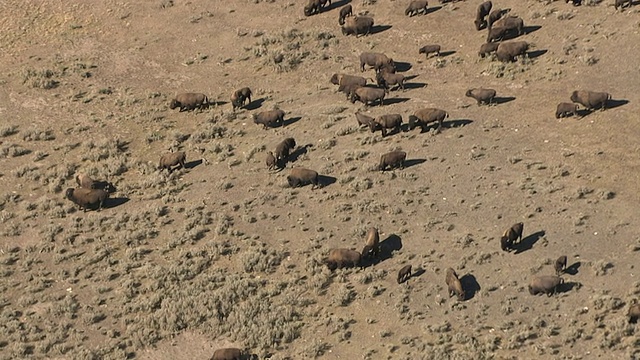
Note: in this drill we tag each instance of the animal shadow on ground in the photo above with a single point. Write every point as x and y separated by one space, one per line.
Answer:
413 162
297 153
114 202
414 85
375 29
447 53
104 185
387 246
389 101
531 28
192 164
534 54
566 286
470 286
255 104
217 103
336 4
573 268
583 112
612 104
324 180
402 66
410 77
456 123
291 120
528 242
503 99
419 271
433 9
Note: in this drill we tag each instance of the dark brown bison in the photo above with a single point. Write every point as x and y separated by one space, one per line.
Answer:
560 265
488 48
283 149
454 285
430 49
482 11
511 23
269 118
372 244
510 235
367 95
386 80
509 50
169 160
388 121
424 117
634 313
591 99
228 354
404 274
415 7
344 12
87 198
494 16
482 96
496 33
239 97
375 60
394 159
301 176
315 6
357 25
566 109
344 79
189 101
545 284
342 258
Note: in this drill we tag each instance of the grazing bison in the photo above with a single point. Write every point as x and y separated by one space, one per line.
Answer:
620 3
496 33
302 176
634 313
566 109
510 235
488 48
270 161
87 198
283 149
341 258
494 16
239 97
415 7
228 354
367 95
424 117
591 99
364 119
375 60
482 96
169 160
545 284
511 23
454 285
84 181
372 244
394 159
189 101
269 118
357 25
344 12
404 274
482 11
509 50
344 79
386 80
315 6
560 265
430 49
388 121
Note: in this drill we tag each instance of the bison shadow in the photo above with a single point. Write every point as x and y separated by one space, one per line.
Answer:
402 66
375 29
573 269
104 185
410 77
114 202
387 246
413 162
566 286
324 180
528 242
433 9
612 104
216 103
291 120
456 123
255 104
503 99
531 28
336 5
534 54
192 164
415 85
419 271
390 101
297 153
583 112
470 286
446 53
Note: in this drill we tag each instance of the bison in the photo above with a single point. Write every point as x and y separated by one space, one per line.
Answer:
487 48
269 118
496 33
494 16
634 313
342 258
509 50
482 96
189 101
430 49
545 284
386 80
372 244
314 6
228 354
364 119
510 235
301 176
591 99
415 6
375 60
560 265
84 181
357 25
270 161
344 79
239 97
404 274
482 11
367 95
424 117
169 160
283 149
511 23
344 12
620 3
454 285
566 109
388 121
394 159
87 198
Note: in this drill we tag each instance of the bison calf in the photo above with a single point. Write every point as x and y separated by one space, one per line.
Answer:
87 198
394 159
591 99
341 258
566 109
84 181
509 237
344 12
482 96
454 285
560 265
404 274
430 49
169 160
189 101
301 177
545 284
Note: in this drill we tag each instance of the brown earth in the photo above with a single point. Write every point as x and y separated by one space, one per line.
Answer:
223 253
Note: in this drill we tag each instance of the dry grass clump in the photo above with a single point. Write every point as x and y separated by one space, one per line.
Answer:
260 258
42 79
8 130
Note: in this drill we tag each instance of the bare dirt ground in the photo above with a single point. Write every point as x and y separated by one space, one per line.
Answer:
223 253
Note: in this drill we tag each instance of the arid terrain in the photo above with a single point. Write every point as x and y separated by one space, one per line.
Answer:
224 253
